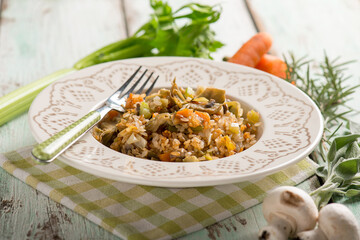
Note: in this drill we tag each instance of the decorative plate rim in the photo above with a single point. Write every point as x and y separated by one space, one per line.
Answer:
131 171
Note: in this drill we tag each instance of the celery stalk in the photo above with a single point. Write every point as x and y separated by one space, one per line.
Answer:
96 56
18 101
128 52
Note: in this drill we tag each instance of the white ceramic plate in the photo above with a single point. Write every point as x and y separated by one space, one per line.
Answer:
292 124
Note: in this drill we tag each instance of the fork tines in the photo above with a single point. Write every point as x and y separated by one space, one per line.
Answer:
140 90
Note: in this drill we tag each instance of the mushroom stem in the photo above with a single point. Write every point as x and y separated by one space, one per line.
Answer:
278 229
336 222
316 234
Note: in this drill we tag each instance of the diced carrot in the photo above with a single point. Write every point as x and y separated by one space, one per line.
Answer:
242 127
165 157
273 65
204 116
251 52
133 99
185 113
246 135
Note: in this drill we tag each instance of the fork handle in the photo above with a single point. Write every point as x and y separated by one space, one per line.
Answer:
48 150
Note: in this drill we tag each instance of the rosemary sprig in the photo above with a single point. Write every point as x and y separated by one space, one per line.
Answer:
326 87
338 153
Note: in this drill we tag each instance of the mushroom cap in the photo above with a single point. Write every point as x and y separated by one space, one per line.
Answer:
293 204
338 222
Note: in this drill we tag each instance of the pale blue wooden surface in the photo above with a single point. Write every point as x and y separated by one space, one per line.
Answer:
39 37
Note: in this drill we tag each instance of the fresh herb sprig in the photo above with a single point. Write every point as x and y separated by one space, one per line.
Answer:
183 32
340 170
338 153
326 88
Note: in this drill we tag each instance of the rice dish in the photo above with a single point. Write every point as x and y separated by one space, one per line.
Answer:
180 125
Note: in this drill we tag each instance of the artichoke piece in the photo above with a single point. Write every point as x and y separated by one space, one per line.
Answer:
235 108
154 124
106 133
164 93
213 93
176 95
189 92
151 96
200 100
215 109
199 90
97 133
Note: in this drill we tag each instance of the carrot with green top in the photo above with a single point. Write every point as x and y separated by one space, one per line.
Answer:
251 52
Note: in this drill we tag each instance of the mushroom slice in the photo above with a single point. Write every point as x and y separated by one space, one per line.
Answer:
335 221
214 93
160 119
288 210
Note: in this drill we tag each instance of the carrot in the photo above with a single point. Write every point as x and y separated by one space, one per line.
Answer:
133 99
273 65
246 135
165 157
242 127
251 52
184 113
204 116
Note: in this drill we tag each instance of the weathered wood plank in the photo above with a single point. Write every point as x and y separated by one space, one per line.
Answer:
308 27
37 38
233 28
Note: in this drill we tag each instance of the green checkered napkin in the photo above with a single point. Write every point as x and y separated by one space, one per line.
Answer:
141 212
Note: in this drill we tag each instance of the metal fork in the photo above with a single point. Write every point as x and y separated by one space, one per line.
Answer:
51 148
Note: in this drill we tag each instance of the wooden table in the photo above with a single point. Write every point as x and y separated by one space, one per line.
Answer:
40 37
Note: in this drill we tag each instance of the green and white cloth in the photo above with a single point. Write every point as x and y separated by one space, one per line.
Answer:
142 212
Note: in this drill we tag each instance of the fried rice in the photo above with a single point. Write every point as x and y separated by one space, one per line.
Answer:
180 125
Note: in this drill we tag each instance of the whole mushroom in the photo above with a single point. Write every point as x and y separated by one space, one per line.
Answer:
336 221
288 210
